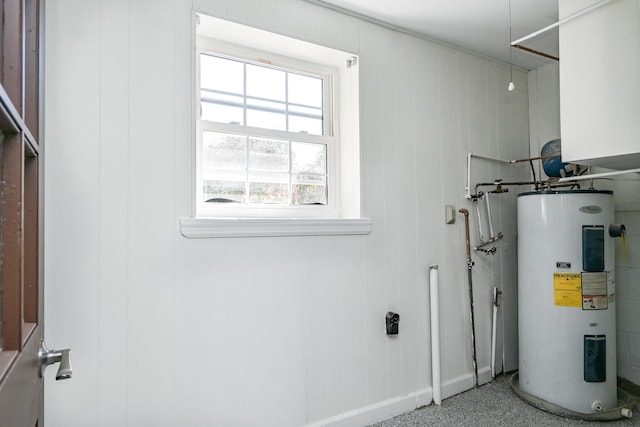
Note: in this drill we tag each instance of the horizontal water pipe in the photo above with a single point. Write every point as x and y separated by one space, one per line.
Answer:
550 184
560 22
597 175
467 189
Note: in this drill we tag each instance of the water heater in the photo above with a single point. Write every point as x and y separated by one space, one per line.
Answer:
566 299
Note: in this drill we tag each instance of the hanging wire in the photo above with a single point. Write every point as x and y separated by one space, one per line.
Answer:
511 85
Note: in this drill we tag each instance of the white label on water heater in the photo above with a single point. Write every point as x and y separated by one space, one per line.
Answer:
595 302
594 283
594 291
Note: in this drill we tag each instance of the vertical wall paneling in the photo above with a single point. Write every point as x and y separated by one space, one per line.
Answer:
353 328
282 331
375 183
456 354
113 190
517 124
333 343
408 274
500 106
150 309
320 317
489 266
72 205
202 284
428 170
544 103
391 200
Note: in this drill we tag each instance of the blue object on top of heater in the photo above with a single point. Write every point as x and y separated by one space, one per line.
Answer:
554 166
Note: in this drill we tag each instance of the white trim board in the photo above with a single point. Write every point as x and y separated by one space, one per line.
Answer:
195 228
401 405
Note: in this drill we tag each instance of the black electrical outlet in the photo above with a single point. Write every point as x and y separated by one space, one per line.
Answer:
392 320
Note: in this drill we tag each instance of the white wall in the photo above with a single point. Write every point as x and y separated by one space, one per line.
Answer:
168 331
545 120
544 110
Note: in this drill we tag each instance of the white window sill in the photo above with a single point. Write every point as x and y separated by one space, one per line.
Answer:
199 228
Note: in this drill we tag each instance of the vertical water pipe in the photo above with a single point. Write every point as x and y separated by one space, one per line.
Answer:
494 332
476 200
435 334
491 235
470 263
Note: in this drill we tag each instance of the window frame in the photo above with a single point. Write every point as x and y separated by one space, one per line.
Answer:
346 108
330 137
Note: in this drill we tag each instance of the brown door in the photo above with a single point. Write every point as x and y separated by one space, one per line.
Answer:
21 287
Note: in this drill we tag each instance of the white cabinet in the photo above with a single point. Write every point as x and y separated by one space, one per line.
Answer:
600 84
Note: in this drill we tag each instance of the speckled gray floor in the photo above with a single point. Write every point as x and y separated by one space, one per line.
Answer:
492 405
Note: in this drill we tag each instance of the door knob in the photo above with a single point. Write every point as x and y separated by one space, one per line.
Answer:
48 357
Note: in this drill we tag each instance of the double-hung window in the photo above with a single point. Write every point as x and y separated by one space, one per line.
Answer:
277 135
266 135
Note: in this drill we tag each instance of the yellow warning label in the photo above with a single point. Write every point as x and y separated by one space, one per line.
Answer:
567 289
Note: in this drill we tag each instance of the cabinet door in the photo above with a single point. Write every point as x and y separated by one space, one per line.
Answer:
599 84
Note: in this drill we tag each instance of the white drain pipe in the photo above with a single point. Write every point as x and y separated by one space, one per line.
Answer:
494 332
435 334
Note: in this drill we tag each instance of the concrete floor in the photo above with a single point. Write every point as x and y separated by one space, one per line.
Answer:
493 405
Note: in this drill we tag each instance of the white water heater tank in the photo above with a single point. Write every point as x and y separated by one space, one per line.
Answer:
566 299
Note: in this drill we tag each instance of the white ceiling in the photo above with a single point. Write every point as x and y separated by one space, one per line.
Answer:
480 26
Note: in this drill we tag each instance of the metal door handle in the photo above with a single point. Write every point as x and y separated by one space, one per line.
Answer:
48 357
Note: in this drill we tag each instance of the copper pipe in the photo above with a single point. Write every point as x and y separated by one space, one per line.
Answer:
465 212
549 183
550 156
536 52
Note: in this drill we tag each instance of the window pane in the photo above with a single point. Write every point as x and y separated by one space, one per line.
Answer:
221 74
222 98
269 106
269 188
304 124
311 112
267 120
220 191
263 82
221 113
305 90
307 157
268 155
223 152
309 190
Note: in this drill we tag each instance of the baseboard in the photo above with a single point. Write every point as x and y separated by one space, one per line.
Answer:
465 382
378 411
400 405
